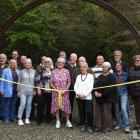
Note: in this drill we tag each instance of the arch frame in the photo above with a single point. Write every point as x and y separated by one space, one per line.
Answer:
99 3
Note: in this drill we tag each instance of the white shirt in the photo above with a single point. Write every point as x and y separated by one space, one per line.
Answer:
84 84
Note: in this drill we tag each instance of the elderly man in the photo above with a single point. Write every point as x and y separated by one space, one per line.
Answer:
118 58
134 89
72 66
97 69
62 54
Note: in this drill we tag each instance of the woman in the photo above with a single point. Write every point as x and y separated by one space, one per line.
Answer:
9 91
83 87
104 99
134 89
60 80
26 93
44 97
121 105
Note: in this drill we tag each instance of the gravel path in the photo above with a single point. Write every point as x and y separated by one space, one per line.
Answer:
48 132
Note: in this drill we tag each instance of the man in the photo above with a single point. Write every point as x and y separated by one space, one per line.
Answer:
118 58
76 72
15 56
134 89
72 67
22 61
97 69
62 54
3 59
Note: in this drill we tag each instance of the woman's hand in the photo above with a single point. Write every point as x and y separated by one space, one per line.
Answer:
38 91
18 94
97 94
64 91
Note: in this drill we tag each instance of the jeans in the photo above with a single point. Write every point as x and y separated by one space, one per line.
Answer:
1 105
121 112
9 105
25 103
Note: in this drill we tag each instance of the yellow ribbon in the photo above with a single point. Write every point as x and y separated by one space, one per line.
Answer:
115 85
60 91
49 89
60 98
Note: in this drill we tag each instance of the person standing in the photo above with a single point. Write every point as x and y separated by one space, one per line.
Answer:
104 99
44 97
72 67
121 105
83 88
97 69
134 89
118 58
9 91
3 59
60 80
26 93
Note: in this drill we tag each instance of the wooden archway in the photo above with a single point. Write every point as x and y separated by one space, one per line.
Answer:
100 3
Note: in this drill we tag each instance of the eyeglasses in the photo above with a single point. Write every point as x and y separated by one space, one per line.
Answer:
47 62
58 62
137 61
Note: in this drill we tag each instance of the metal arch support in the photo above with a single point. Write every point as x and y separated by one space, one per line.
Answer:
100 3
19 13
120 16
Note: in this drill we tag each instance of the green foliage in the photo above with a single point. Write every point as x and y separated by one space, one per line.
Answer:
69 25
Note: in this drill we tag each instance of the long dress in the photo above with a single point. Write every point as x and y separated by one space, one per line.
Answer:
60 81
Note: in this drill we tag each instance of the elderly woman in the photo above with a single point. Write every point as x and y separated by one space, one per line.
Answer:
83 88
26 93
104 99
134 89
9 91
121 105
44 97
60 80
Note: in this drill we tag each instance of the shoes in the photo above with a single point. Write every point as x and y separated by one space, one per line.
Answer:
68 124
20 122
27 121
89 130
6 121
97 130
127 130
82 129
57 124
116 127
136 127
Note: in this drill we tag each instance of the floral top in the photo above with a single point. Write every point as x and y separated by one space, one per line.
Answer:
42 78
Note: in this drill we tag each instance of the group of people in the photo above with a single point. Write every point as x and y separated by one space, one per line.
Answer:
21 84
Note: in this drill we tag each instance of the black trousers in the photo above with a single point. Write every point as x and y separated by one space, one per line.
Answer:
85 109
137 109
44 107
71 99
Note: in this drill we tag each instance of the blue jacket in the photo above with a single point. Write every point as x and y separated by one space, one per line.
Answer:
6 87
124 77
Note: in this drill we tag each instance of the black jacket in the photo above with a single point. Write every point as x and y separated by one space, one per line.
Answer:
108 94
134 74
